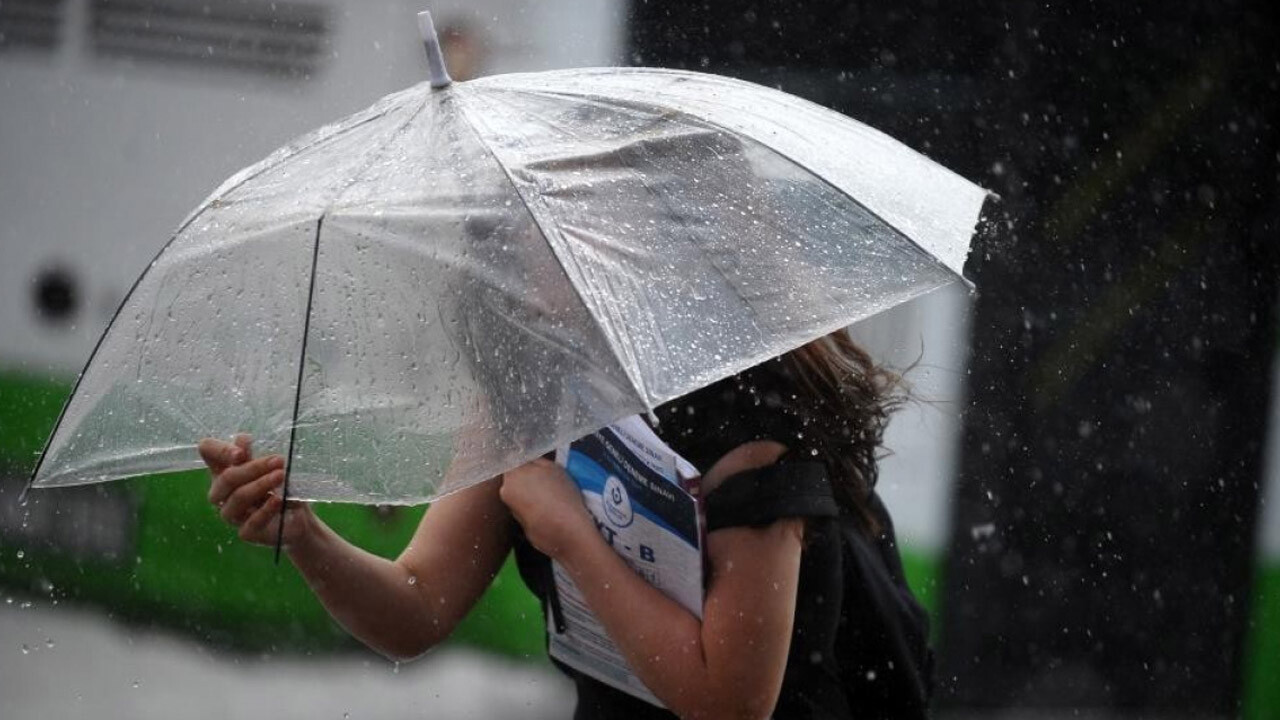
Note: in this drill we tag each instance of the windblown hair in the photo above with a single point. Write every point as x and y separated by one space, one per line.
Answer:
851 398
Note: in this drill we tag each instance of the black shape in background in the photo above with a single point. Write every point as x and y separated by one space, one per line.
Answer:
56 295
1125 326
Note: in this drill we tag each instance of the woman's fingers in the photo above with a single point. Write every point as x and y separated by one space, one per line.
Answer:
242 485
247 497
219 455
251 470
256 527
231 479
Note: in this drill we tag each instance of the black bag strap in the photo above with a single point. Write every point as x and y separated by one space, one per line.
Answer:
761 496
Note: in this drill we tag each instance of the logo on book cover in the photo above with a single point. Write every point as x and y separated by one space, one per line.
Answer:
617 504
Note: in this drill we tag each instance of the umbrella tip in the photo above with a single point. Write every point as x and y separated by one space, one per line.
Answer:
435 58
31 482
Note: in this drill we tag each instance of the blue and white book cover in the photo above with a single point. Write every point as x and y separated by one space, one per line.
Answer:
633 485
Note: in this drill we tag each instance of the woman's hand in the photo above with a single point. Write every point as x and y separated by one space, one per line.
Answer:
547 504
244 490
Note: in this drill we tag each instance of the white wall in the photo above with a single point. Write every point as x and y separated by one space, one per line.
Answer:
917 478
100 159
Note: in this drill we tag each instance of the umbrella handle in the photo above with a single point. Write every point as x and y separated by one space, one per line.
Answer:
435 59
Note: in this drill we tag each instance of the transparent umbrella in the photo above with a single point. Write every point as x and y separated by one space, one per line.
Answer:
466 275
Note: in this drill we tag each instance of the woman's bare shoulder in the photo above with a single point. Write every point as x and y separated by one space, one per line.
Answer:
747 456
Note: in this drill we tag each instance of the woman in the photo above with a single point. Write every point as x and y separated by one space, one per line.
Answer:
806 612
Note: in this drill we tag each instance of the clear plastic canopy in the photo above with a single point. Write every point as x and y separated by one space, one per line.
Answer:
456 280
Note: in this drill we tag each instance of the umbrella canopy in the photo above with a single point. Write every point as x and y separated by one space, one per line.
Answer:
459 278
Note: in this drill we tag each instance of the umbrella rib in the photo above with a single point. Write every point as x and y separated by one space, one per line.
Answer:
637 384
297 395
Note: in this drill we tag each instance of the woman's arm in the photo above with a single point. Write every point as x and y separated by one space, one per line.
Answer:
401 607
731 663
406 606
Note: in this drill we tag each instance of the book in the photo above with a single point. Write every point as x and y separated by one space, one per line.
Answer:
642 496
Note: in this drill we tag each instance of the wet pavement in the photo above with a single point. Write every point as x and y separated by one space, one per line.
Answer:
73 663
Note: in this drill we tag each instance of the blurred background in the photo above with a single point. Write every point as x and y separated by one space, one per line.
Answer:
1087 489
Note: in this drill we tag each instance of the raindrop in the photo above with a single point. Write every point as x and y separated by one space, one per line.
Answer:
983 531
413 579
21 554
136 684
26 649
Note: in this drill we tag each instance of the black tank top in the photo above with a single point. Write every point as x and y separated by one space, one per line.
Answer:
859 642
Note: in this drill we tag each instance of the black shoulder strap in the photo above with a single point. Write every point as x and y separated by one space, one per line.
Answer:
761 496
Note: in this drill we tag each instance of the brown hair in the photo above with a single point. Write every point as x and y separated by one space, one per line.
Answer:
853 397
